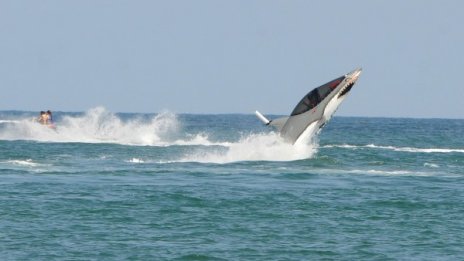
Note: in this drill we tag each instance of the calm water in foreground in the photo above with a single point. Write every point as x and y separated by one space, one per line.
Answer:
106 186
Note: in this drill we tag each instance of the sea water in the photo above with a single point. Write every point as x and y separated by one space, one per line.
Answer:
120 186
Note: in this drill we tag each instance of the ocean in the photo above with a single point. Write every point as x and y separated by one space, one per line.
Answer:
166 186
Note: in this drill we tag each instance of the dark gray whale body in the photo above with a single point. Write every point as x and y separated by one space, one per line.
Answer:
315 109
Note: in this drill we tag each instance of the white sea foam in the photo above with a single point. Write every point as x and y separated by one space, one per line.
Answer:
9 121
431 165
390 172
370 172
201 139
27 163
399 149
255 147
98 125
136 160
378 172
345 146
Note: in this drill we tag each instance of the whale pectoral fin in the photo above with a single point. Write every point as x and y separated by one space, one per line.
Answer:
279 123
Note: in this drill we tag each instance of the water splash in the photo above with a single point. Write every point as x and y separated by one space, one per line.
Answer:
100 125
97 125
255 147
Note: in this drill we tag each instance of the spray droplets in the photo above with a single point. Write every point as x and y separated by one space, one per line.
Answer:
99 125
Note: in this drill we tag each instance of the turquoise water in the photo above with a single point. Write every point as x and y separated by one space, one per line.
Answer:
107 186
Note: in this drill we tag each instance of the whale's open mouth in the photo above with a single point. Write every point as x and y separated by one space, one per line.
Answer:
314 109
346 89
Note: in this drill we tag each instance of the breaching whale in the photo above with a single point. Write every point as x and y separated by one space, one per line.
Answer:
314 110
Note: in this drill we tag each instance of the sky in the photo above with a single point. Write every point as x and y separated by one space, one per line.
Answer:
236 56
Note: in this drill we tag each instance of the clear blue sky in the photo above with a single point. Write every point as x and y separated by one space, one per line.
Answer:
231 56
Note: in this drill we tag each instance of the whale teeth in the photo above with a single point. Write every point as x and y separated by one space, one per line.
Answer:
346 89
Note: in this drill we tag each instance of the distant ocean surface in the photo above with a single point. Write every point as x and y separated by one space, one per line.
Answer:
117 186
